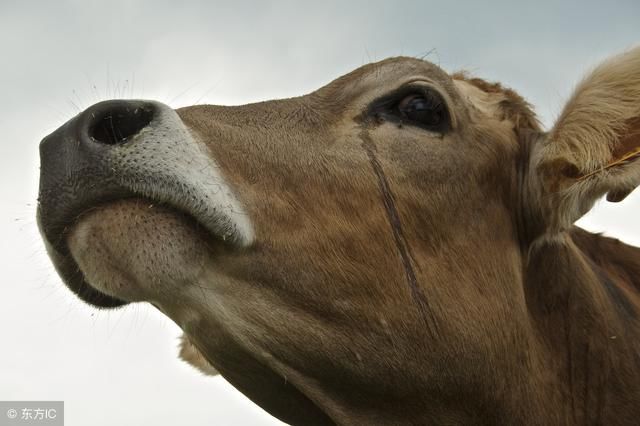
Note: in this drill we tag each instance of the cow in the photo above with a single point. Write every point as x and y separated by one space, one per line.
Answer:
397 247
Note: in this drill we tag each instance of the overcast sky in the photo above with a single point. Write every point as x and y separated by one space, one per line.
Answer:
59 57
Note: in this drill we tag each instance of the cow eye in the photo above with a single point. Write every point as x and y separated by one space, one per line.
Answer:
426 109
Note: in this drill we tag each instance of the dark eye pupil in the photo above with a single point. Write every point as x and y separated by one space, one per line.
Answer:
422 110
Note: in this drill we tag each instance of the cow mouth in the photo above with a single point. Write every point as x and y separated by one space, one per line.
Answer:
64 256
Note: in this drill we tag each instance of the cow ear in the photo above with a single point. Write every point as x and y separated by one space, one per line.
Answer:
594 147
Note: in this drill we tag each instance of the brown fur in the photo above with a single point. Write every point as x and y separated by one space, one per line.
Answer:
603 109
405 276
513 107
592 147
191 354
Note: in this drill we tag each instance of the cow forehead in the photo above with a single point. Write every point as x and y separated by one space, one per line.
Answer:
373 80
461 91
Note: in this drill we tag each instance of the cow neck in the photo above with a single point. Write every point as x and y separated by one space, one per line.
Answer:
580 327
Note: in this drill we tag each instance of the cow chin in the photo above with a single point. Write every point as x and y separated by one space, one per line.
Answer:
135 250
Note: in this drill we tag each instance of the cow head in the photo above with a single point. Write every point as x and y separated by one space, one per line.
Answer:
352 255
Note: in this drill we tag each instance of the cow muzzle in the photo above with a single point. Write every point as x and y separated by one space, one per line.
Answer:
129 149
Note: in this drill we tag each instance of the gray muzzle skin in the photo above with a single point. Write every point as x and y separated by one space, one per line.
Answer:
125 149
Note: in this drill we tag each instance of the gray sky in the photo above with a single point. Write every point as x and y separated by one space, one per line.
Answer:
59 57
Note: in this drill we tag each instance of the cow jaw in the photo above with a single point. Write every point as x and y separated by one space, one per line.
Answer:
135 250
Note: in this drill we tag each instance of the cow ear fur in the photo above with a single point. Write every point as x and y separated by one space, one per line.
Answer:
191 354
594 147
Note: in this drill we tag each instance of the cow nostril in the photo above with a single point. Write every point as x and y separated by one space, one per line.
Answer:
115 126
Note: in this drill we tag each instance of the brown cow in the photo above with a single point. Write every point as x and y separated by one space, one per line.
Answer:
397 247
